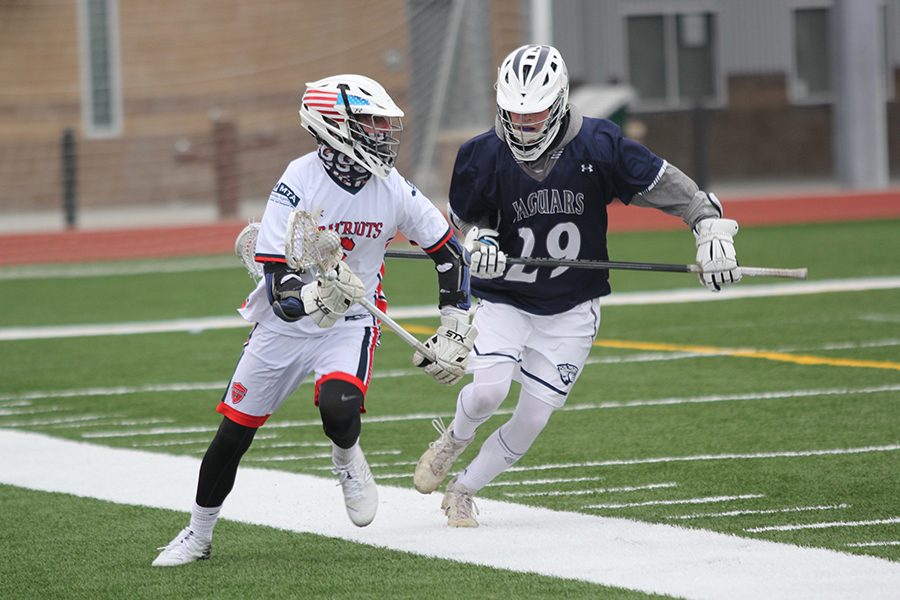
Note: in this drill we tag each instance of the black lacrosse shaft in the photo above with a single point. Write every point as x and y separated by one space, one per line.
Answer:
575 264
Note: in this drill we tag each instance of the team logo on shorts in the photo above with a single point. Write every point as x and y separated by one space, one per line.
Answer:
238 392
567 372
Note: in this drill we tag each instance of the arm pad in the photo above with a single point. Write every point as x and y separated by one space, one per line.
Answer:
283 286
451 264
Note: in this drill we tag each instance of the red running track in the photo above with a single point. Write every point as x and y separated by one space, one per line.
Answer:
218 238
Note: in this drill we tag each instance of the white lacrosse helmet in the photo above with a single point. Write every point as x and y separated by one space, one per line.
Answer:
530 80
354 115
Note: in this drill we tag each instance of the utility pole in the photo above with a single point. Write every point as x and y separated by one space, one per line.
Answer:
860 114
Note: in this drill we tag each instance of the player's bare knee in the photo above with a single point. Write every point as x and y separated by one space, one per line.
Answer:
340 403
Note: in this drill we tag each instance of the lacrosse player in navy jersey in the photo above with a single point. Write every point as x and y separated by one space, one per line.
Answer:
537 185
304 326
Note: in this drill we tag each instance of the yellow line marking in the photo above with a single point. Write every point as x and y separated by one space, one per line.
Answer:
800 359
415 329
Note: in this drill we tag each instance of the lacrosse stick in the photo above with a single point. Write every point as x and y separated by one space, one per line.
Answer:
627 266
318 251
245 248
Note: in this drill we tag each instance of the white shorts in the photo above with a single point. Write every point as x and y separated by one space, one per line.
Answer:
273 365
550 350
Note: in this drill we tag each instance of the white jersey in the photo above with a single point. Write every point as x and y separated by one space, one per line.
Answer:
367 221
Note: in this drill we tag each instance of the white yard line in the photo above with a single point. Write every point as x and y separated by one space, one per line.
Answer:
430 311
772 511
196 442
19 412
289 445
891 521
591 492
61 420
548 481
732 397
319 456
116 391
710 457
651 558
703 500
671 401
118 423
874 544
148 267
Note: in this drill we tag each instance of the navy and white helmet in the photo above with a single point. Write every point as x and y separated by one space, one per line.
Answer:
355 116
530 80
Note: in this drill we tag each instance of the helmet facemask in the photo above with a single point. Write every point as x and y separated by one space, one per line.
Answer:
376 136
532 79
529 140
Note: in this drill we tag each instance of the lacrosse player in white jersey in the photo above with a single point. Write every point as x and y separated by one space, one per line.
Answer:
304 325
537 185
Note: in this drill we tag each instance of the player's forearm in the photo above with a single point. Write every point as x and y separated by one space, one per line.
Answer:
453 277
463 226
676 194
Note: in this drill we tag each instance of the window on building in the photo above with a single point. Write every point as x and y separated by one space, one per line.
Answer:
671 59
812 55
812 58
101 96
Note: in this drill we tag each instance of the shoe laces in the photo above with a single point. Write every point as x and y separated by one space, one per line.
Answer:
352 477
446 447
463 501
186 538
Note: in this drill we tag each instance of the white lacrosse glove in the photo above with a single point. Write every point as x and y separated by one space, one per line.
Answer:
487 260
327 300
715 253
450 344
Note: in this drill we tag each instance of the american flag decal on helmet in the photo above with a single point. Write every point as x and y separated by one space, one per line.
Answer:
324 103
238 391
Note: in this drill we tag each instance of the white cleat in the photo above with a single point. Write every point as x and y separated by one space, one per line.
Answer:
435 463
360 491
184 549
459 505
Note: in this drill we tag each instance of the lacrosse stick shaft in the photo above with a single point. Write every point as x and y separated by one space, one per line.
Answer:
404 334
765 272
622 265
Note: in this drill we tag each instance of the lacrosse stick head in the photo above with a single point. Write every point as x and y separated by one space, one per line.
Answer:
308 247
245 249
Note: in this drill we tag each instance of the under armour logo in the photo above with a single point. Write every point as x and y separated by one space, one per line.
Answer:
587 168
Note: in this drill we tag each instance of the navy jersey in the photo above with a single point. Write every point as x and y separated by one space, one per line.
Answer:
562 217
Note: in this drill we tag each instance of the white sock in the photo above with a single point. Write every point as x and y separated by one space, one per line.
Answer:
509 443
464 425
478 400
344 456
493 458
203 520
